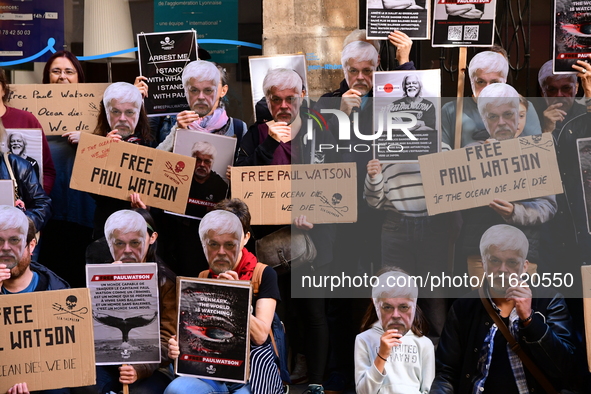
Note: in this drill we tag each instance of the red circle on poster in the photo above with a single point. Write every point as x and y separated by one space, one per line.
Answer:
388 88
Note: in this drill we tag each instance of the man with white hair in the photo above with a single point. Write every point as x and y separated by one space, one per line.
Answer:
485 68
122 115
392 355
474 355
131 239
498 105
207 187
223 240
18 146
284 139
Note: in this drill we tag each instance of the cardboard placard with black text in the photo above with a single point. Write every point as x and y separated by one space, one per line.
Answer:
115 169
512 170
60 108
325 193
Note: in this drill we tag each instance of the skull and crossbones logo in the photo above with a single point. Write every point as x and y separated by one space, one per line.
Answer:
71 302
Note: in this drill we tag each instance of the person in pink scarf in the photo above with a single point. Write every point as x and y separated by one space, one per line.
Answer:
205 86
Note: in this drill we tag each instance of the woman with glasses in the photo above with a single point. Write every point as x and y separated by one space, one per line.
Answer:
73 210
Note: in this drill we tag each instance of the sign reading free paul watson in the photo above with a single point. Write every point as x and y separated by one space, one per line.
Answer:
512 170
116 169
325 193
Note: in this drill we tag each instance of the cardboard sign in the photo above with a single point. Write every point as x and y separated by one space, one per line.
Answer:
60 107
584 151
325 193
46 340
116 169
398 95
512 170
410 17
213 329
125 312
162 58
468 23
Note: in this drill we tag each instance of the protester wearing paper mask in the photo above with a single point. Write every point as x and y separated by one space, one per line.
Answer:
392 351
122 115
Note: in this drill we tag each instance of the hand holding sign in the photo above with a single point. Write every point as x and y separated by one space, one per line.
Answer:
502 207
141 85
73 137
127 374
113 135
19 388
185 118
4 273
374 168
173 348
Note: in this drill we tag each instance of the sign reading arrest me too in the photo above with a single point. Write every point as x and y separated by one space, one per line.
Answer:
116 169
511 170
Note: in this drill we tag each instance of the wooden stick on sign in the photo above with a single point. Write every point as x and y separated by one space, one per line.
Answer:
460 97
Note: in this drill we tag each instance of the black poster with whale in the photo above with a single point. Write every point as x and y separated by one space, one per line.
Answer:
125 312
213 328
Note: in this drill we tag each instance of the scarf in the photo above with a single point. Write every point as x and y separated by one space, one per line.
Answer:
211 123
245 267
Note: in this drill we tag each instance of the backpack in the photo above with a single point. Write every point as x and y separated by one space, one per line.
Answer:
278 338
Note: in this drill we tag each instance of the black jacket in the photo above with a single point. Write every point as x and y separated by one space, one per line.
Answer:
547 340
37 203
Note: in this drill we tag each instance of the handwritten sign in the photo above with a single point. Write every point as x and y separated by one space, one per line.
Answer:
512 170
325 193
116 169
46 339
60 107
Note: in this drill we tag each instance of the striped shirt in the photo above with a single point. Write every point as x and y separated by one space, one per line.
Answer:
398 188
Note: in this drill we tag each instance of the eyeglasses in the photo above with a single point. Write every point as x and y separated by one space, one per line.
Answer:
229 246
507 115
57 72
134 244
289 100
366 71
206 91
11 241
129 113
494 262
198 160
402 308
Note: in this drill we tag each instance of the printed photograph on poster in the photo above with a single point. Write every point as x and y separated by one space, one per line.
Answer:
125 312
469 23
213 329
584 149
407 93
162 59
259 66
412 17
213 154
28 144
572 38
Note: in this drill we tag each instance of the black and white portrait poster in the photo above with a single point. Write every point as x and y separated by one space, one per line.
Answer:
28 144
212 332
125 312
467 23
162 59
213 154
259 65
412 17
408 104
572 38
584 149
